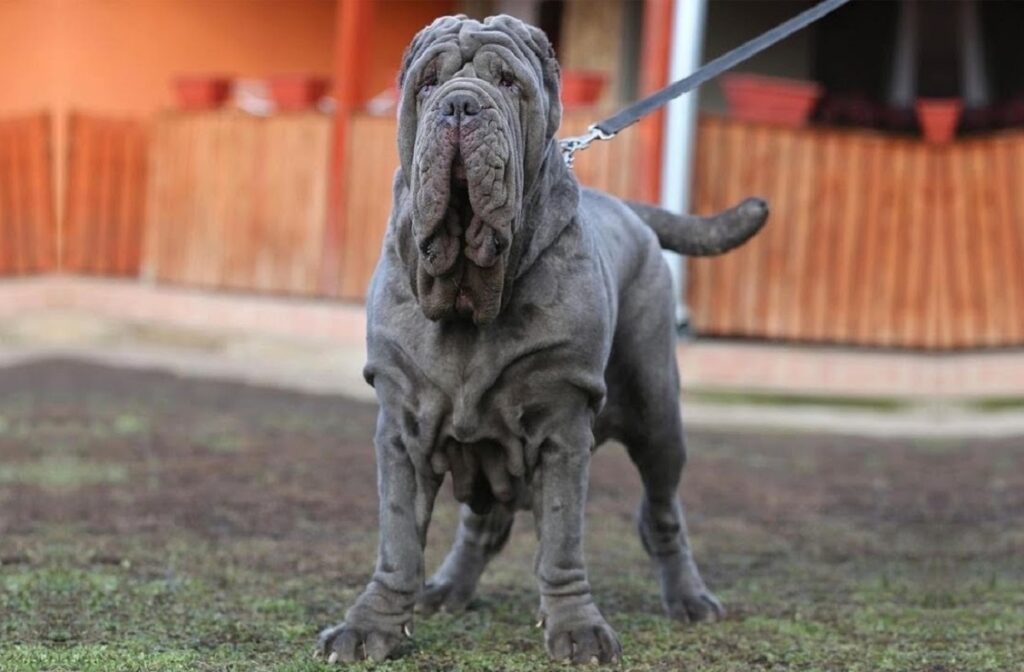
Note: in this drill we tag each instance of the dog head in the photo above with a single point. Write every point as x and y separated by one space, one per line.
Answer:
478 113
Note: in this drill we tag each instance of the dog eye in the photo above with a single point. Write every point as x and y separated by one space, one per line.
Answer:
427 85
506 81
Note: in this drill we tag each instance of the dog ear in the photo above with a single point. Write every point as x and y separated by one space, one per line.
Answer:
412 51
551 74
446 24
409 56
421 42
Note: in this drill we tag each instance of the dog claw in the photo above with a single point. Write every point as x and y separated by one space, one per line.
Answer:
581 635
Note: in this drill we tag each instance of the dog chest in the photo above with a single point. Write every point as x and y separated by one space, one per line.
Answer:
464 385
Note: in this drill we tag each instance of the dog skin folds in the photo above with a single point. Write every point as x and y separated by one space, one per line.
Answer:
515 322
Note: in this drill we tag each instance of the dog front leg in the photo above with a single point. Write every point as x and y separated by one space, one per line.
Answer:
574 628
381 617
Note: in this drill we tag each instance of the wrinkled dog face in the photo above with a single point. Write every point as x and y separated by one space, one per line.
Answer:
479 108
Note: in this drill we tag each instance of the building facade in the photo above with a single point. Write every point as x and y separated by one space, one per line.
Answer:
878 236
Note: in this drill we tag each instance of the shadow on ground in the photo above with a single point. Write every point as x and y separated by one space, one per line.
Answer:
150 522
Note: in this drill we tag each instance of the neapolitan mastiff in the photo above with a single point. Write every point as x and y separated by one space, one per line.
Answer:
515 322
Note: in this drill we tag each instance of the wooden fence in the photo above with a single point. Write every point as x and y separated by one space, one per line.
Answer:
28 230
236 201
104 206
872 240
373 159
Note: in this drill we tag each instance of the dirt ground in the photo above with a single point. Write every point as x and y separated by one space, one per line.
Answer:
150 522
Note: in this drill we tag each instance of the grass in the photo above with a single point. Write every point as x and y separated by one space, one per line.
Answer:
154 523
216 615
860 403
61 473
997 404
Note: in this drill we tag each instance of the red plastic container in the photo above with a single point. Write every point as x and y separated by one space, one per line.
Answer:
202 92
938 118
582 87
293 93
773 100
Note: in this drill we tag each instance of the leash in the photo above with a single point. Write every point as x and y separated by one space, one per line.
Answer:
612 126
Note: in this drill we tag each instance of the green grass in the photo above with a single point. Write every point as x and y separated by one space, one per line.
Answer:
61 472
996 404
214 614
737 397
160 524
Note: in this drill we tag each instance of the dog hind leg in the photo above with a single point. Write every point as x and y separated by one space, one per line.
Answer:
643 413
657 449
480 537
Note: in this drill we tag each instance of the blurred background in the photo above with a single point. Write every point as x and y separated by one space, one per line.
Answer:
174 160
248 145
193 195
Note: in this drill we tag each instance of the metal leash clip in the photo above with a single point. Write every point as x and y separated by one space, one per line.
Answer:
570 146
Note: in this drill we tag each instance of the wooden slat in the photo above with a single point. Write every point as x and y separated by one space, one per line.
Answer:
373 160
235 201
28 231
103 217
911 318
775 271
872 240
847 216
958 229
1010 199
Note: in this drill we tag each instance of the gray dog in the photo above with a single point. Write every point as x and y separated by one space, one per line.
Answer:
515 322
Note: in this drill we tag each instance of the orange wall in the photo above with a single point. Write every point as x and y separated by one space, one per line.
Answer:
27 64
394 24
118 56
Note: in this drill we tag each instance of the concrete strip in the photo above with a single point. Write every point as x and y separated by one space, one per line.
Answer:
936 423
718 364
317 347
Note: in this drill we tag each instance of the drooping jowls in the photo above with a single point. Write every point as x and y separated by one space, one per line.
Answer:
467 187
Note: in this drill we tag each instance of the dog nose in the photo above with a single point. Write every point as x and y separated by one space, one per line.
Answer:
459 104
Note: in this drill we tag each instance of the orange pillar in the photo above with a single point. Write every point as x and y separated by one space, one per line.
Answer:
353 27
657 42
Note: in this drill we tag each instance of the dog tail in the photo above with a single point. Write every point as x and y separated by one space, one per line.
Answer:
697 236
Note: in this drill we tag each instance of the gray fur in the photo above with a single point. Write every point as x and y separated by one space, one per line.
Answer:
515 322
704 236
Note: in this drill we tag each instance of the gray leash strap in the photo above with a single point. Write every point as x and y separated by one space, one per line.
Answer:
610 127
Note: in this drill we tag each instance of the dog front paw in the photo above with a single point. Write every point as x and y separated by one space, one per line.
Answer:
581 635
345 643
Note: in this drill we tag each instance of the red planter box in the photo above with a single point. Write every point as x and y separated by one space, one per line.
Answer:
201 92
938 118
774 100
582 87
293 93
